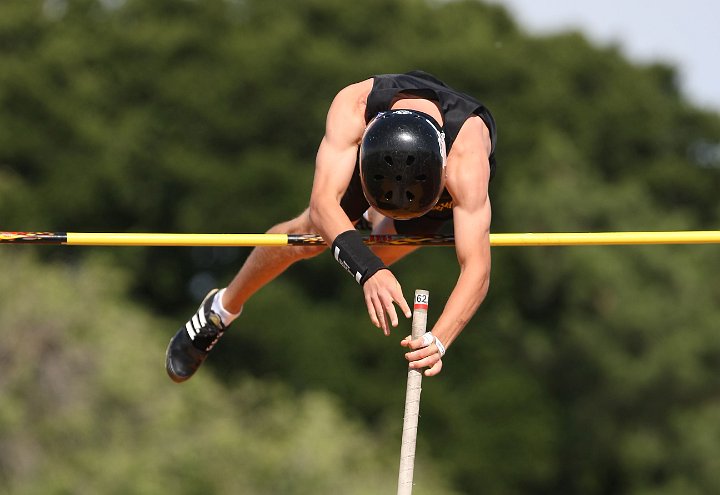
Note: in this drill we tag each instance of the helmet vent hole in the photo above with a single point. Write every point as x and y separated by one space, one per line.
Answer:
388 159
378 177
388 196
410 160
410 196
421 178
398 178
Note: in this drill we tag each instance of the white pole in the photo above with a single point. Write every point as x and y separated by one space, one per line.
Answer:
412 400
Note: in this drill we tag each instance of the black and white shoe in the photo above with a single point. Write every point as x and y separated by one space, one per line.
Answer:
193 342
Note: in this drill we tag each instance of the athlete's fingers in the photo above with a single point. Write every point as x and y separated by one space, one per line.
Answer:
381 315
420 354
390 310
421 358
399 299
382 291
371 310
435 369
401 302
413 344
386 328
384 323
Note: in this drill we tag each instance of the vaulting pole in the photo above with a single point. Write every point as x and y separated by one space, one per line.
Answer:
412 400
249 240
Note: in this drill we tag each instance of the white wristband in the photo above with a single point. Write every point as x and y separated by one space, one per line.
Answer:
428 338
440 346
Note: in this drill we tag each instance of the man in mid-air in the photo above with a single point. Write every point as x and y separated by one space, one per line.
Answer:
408 154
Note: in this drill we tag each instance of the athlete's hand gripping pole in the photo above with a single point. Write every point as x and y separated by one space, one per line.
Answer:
412 399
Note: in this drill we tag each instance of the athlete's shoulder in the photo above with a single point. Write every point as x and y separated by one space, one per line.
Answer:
355 93
352 99
346 116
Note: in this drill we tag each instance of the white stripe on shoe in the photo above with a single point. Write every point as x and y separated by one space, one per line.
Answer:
196 323
201 315
190 330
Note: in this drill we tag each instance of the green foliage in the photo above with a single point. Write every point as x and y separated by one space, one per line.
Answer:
87 407
587 370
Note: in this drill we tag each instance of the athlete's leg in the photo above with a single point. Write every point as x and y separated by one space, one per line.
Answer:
265 263
382 225
191 345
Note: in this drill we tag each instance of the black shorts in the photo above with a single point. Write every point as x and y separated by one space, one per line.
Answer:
439 219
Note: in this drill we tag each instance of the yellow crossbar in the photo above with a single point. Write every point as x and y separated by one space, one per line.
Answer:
605 238
527 239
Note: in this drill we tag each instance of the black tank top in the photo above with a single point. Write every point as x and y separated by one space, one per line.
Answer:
456 107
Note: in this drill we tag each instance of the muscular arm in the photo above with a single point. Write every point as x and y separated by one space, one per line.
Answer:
335 162
467 181
334 165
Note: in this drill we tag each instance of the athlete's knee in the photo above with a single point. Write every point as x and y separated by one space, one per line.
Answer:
300 225
305 252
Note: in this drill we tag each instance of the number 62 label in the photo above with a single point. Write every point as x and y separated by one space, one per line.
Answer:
421 301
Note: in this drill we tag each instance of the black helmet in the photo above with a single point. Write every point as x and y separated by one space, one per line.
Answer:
402 163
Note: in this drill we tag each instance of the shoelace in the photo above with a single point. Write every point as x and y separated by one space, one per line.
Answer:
199 329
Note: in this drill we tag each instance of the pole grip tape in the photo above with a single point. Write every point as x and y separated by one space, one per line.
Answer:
350 251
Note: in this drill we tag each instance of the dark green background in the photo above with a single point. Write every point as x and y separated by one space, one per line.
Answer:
590 370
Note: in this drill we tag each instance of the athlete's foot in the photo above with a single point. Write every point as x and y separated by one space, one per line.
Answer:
193 342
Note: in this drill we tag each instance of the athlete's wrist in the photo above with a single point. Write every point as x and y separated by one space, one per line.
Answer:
350 251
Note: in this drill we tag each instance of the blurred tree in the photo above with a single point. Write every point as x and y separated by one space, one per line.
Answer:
587 370
85 409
